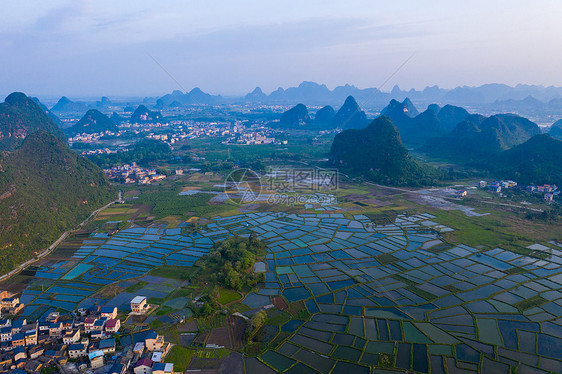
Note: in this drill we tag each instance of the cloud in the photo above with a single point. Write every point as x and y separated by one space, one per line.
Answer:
103 45
287 38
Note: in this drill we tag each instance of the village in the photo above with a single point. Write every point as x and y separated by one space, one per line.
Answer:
503 187
87 340
235 132
130 174
548 191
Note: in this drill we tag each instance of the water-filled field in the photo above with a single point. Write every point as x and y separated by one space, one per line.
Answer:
388 295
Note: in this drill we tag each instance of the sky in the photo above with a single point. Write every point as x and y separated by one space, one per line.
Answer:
138 48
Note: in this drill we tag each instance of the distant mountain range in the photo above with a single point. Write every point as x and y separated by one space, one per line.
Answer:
45 188
311 93
349 116
195 96
490 98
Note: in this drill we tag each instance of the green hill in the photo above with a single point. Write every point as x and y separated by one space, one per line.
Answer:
21 116
350 115
477 137
378 153
556 130
66 105
537 161
450 116
92 122
325 117
295 117
47 111
45 189
416 129
116 118
396 108
142 115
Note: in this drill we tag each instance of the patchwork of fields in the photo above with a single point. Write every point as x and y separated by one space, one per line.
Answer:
377 295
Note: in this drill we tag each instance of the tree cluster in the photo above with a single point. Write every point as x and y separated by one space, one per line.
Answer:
231 262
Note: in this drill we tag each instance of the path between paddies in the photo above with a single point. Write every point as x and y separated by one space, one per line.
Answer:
53 246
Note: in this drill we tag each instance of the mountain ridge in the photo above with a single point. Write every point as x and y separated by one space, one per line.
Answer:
536 161
377 151
45 187
479 136
19 117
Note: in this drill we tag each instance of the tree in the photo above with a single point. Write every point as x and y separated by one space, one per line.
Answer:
258 319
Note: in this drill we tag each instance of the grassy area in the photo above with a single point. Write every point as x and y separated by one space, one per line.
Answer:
180 292
403 279
172 272
238 307
499 229
217 320
136 287
421 293
181 356
227 296
299 147
530 302
168 202
156 324
278 319
278 339
163 310
298 310
386 258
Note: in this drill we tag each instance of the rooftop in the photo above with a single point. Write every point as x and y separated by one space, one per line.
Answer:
107 343
95 354
145 362
163 366
138 299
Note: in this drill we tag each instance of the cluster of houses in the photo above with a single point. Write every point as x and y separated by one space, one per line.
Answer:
10 305
87 340
549 191
144 358
101 151
148 355
497 186
89 138
254 136
133 174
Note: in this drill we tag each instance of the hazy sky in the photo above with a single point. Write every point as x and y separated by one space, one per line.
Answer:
79 48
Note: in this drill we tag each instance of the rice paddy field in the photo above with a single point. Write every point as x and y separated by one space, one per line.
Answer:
362 297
